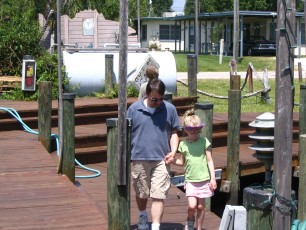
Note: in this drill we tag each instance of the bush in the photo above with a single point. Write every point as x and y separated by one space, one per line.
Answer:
132 91
46 70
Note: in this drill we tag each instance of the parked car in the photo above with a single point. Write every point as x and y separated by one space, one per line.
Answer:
258 45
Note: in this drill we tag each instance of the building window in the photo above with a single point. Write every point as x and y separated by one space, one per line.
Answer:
143 32
169 32
88 27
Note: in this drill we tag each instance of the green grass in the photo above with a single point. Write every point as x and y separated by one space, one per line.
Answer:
210 63
250 104
220 87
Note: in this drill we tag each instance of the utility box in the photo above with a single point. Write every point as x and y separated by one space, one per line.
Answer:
28 74
234 217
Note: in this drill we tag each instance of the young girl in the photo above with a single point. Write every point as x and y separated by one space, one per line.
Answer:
195 155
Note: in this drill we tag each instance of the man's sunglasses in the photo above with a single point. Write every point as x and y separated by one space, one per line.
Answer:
155 100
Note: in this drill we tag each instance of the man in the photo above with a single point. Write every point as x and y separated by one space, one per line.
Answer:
154 143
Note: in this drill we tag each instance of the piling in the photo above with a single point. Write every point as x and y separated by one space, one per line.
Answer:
302 178
109 72
233 140
302 112
205 112
168 97
118 196
68 157
45 114
257 202
192 74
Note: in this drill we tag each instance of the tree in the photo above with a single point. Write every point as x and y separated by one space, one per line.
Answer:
133 8
20 34
226 5
161 6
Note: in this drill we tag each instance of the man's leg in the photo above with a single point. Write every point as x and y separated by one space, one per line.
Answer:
157 210
141 203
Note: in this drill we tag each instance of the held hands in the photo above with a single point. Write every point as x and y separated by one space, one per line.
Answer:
213 185
169 158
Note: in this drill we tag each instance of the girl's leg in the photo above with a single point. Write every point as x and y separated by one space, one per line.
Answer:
200 212
192 206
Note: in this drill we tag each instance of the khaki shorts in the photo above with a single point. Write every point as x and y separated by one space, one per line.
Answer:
151 179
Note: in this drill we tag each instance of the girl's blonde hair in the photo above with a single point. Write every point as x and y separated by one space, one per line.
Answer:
190 119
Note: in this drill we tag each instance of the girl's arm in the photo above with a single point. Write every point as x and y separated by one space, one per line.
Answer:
211 167
179 160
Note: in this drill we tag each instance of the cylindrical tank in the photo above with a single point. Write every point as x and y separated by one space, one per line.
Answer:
86 70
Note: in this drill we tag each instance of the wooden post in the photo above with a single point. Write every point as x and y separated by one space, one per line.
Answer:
302 178
236 32
257 203
192 74
122 178
109 62
118 196
282 175
168 97
45 114
196 32
234 82
233 138
205 112
302 113
300 71
250 71
302 153
68 137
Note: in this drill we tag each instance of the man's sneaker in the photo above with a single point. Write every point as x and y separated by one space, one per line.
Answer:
143 223
189 224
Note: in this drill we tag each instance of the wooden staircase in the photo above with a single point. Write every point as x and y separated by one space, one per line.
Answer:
90 127
91 130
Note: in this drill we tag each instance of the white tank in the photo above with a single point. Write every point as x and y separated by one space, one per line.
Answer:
86 70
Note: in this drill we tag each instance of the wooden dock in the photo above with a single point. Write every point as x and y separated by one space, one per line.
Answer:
175 212
33 196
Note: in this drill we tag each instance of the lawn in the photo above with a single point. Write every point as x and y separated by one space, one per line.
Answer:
220 87
210 63
248 104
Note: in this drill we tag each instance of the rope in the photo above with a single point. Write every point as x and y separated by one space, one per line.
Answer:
286 207
226 97
15 114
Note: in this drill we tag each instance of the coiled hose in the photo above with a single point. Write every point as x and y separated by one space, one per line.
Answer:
298 225
15 114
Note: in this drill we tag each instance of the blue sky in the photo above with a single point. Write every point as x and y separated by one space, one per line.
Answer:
178 5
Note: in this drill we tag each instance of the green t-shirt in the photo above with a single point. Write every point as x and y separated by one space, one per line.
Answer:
196 168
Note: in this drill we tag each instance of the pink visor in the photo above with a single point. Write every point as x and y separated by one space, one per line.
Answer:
194 127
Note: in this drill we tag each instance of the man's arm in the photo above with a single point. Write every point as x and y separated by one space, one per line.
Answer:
174 141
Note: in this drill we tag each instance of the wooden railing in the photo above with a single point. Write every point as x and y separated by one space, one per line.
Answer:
9 82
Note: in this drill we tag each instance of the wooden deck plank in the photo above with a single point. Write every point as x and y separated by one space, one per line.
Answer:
33 196
175 211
